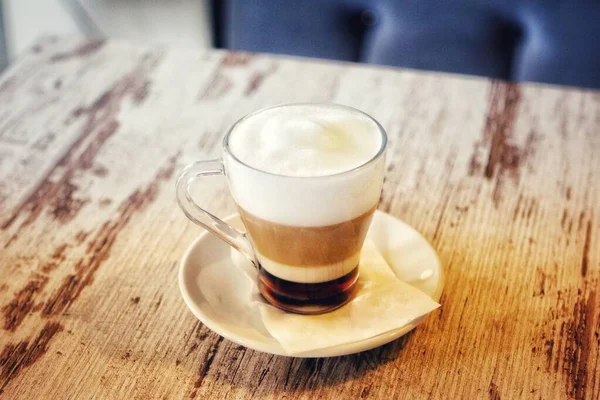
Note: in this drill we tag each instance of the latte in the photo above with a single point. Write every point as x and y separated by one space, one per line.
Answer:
307 180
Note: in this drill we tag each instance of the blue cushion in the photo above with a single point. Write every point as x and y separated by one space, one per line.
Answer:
544 41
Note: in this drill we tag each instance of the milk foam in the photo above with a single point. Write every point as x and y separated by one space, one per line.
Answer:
305 140
295 142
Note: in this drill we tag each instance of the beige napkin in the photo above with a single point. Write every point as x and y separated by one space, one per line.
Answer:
383 303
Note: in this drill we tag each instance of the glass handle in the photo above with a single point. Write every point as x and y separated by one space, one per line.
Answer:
235 238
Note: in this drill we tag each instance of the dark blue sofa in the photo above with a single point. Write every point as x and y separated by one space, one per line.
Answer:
542 41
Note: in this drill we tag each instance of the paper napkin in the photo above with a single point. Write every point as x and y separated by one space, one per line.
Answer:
383 304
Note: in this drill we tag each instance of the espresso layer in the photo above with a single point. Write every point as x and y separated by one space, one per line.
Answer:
308 246
313 298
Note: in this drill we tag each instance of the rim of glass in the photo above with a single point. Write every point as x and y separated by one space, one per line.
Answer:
378 154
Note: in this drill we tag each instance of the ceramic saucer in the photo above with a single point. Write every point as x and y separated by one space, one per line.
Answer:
219 294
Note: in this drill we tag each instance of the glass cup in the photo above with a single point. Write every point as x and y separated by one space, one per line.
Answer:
309 263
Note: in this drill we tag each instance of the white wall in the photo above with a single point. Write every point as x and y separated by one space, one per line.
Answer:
26 20
178 23
174 23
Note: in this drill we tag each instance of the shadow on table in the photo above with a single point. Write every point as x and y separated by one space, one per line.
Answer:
335 370
294 375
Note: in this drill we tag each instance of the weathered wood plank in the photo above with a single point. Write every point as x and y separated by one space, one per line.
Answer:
503 179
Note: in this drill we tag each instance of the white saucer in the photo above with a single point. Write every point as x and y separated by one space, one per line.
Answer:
219 294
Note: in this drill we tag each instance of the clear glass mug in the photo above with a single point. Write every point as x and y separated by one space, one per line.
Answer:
303 234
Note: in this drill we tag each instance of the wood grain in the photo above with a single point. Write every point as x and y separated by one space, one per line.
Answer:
503 179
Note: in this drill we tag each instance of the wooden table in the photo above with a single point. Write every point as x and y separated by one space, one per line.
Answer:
503 179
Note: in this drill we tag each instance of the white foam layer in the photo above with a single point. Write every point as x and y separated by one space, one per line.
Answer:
305 140
313 274
302 150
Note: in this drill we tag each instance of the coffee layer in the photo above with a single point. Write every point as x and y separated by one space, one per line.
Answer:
301 246
308 254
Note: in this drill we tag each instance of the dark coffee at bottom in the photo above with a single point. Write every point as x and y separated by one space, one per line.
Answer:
307 298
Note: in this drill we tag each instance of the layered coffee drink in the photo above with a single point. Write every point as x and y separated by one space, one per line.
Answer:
307 180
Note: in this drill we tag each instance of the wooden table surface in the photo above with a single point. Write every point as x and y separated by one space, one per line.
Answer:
503 179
